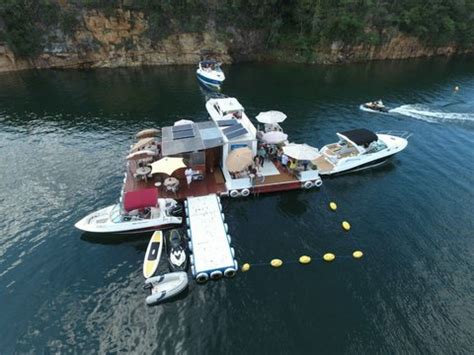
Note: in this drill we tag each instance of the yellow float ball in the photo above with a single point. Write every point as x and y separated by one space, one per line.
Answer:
276 263
346 226
329 257
357 254
305 259
245 267
333 206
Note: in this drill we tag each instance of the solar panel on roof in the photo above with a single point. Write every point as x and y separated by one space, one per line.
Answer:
183 134
239 132
223 123
183 127
232 128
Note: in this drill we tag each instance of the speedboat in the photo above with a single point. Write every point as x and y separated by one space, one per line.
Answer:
359 149
115 220
178 260
210 73
374 106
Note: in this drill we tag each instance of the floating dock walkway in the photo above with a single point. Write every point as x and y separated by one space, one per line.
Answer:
212 256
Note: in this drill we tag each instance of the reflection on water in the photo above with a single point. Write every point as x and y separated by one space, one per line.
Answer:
63 139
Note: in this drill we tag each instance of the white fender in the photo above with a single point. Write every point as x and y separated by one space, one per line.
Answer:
234 193
190 245
186 204
226 227
191 259
245 192
228 238
189 233
216 275
232 251
193 270
223 217
202 277
187 221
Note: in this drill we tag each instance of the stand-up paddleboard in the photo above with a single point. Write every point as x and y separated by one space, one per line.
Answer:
153 254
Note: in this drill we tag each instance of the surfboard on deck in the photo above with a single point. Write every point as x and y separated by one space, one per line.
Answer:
153 254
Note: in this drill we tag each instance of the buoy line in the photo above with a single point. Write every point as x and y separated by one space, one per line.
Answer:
303 260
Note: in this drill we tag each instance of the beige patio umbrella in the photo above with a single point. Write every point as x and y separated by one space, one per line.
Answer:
142 143
146 133
141 154
301 151
167 165
239 159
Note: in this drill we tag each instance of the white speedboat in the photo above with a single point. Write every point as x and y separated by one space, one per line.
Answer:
210 73
113 219
359 149
374 106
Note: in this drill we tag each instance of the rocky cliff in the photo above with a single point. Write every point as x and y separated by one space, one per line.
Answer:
120 39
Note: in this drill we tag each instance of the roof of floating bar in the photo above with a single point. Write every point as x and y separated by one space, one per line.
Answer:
190 138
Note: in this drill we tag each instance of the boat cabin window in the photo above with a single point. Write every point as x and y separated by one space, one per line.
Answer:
375 147
115 214
218 109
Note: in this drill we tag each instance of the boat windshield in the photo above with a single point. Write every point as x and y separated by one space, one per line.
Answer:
375 147
115 214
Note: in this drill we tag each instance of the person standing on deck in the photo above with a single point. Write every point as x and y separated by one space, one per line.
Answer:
284 160
261 155
189 175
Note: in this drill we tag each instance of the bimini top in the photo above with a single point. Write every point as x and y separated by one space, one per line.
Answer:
209 62
359 136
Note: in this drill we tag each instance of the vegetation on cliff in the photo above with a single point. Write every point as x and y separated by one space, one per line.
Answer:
299 24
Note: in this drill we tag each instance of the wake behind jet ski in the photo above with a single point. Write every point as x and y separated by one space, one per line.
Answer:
374 106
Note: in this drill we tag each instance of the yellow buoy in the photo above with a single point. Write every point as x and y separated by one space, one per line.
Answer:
305 259
329 257
245 267
357 254
333 206
346 226
276 263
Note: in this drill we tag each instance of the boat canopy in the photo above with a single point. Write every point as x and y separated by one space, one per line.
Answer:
209 62
360 136
140 199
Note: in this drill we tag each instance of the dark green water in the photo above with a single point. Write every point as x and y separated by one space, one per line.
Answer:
63 138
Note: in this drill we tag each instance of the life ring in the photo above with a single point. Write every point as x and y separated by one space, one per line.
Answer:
308 184
234 193
245 192
216 275
202 277
229 272
318 183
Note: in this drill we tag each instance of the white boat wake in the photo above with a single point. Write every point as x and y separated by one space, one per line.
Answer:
425 113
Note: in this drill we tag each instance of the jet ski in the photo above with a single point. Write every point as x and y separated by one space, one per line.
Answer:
177 256
374 106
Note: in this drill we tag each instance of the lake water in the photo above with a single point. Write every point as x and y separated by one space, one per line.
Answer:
63 138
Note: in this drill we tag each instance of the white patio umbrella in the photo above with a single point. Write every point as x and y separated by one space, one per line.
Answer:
141 154
301 151
271 117
167 165
142 143
274 137
239 159
182 122
150 132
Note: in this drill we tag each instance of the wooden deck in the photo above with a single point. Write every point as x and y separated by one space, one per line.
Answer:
323 164
213 183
